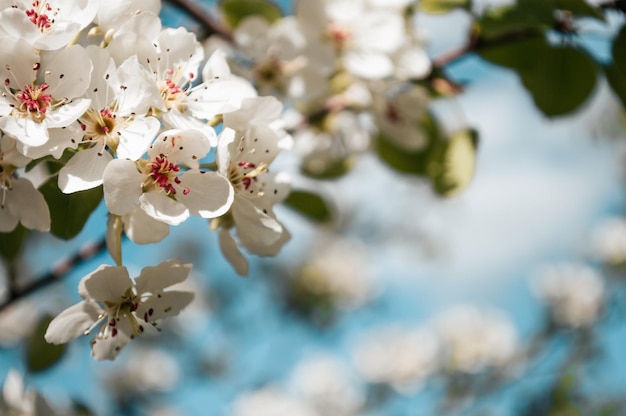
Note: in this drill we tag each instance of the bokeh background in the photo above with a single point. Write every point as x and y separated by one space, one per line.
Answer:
342 321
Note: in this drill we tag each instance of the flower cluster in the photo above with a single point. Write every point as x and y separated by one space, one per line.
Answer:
117 101
349 70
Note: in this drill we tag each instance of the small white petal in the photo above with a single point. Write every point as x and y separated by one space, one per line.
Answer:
143 229
156 278
163 208
370 65
170 303
28 205
122 186
67 113
208 195
186 146
25 130
73 322
231 252
254 110
255 228
136 138
106 284
108 348
84 170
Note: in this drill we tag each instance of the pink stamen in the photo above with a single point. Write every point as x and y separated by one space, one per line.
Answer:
162 172
34 99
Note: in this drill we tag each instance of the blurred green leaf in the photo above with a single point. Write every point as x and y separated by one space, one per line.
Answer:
580 8
443 6
512 20
309 204
452 162
39 354
616 72
619 50
559 79
69 212
233 11
11 243
333 169
400 159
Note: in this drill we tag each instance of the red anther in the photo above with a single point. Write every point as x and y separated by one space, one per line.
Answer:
186 191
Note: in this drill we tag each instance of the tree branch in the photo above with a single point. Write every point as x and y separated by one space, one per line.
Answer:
200 14
86 252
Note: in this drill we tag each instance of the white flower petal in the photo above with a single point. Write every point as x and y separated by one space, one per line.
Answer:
122 186
207 195
109 347
28 205
13 390
254 228
67 113
136 138
186 146
163 208
254 110
72 322
170 303
370 65
8 221
143 229
84 170
137 89
106 284
68 72
25 130
154 279
231 252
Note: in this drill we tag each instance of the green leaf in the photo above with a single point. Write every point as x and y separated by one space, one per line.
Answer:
616 72
11 243
69 212
233 11
443 6
617 80
311 205
559 79
39 354
452 162
400 159
619 50
510 20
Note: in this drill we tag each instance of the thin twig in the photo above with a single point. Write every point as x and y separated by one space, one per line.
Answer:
61 269
203 17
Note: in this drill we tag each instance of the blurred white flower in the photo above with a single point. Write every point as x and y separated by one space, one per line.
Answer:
145 370
270 401
608 242
17 322
574 293
401 357
340 268
323 381
18 401
474 339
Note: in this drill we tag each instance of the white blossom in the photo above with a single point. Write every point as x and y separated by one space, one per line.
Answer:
41 91
46 24
475 339
122 307
20 202
246 148
573 292
323 381
269 401
161 188
401 357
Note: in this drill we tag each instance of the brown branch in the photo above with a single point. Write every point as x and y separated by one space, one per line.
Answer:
200 14
86 252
